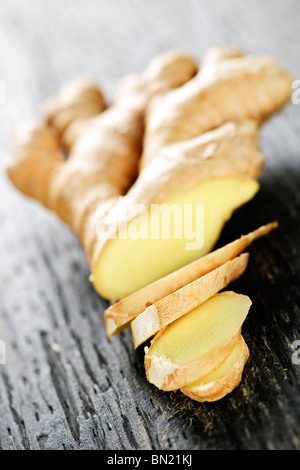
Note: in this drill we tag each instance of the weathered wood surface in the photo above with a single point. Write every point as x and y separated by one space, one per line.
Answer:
64 385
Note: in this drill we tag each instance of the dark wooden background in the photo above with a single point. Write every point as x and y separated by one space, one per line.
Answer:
64 385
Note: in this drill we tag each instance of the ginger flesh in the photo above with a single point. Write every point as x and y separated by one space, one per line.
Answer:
203 330
189 297
223 379
195 344
119 315
129 263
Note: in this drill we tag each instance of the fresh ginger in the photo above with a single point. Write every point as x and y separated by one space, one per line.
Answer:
139 255
229 86
200 146
173 306
68 112
197 343
223 379
183 161
121 314
174 137
104 154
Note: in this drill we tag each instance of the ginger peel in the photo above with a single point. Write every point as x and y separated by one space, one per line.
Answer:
104 153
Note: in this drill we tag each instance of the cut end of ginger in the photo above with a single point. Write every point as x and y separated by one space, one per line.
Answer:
123 313
136 257
195 344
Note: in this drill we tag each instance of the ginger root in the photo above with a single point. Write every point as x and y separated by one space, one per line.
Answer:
174 137
200 147
229 86
68 112
104 148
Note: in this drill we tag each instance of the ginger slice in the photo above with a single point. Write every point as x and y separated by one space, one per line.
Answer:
195 344
119 315
189 297
222 380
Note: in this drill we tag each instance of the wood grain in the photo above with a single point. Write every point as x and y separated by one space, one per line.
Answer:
65 386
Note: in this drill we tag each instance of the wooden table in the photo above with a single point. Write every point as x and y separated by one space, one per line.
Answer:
65 386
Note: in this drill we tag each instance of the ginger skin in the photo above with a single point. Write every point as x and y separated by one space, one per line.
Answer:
229 86
104 154
68 112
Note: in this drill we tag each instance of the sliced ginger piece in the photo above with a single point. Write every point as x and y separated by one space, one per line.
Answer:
189 297
119 315
223 379
195 344
128 263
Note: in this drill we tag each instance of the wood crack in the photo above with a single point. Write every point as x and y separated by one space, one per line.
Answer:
62 386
